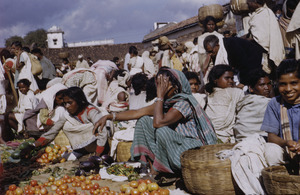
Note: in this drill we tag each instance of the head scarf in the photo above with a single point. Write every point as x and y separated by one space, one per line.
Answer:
205 128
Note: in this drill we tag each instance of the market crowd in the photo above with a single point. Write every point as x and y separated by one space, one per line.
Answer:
217 88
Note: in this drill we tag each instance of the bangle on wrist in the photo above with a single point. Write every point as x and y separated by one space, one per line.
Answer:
114 116
159 99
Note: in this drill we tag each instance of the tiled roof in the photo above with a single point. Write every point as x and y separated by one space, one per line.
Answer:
172 27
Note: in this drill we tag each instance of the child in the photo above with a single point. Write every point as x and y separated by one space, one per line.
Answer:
281 120
251 110
194 81
27 101
222 101
77 123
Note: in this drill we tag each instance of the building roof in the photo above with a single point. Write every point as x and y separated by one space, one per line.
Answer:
171 28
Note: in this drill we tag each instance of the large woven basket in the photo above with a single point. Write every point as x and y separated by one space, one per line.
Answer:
214 10
123 151
204 173
278 181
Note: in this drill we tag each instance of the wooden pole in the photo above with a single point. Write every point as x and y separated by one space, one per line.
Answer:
11 83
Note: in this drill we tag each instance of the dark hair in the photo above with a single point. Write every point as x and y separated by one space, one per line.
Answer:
133 50
17 44
211 40
6 54
78 96
215 73
65 60
292 4
60 92
37 50
150 89
119 72
24 81
255 75
115 59
207 19
195 40
288 66
192 75
26 49
138 82
166 71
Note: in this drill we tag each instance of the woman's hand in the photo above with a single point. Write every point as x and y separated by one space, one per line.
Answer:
100 125
162 84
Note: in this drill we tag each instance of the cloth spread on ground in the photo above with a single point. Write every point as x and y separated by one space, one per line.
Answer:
265 30
250 115
221 109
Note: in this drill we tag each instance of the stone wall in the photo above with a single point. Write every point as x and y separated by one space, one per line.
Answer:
103 52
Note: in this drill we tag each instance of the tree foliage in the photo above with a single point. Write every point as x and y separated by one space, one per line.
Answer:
12 39
37 37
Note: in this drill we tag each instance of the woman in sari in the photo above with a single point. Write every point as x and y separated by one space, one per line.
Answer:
77 123
178 124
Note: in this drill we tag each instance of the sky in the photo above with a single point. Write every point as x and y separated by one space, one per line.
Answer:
125 21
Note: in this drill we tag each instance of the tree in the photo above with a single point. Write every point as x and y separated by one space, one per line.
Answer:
12 39
37 37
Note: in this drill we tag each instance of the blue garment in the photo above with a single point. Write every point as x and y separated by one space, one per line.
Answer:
271 122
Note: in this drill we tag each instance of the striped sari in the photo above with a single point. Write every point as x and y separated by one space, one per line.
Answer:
163 146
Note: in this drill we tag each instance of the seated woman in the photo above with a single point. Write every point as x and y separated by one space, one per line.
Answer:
77 123
251 109
116 97
281 120
178 124
47 112
27 101
222 101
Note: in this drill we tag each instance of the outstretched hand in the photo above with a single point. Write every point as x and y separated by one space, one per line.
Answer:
100 125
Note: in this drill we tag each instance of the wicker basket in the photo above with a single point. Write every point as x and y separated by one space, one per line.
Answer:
278 181
61 139
239 6
204 173
214 10
123 151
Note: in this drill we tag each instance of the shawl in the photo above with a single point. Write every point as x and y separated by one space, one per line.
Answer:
205 129
265 30
149 68
293 32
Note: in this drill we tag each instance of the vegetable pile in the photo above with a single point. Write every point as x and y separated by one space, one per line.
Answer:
53 154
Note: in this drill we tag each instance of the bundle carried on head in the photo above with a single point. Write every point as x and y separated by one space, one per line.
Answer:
214 10
163 43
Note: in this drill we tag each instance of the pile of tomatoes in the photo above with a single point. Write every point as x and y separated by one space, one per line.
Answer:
85 185
53 154
143 187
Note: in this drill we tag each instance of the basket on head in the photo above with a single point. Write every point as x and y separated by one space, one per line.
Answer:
239 6
204 173
123 151
278 181
214 10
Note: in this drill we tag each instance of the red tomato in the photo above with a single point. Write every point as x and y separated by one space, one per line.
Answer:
33 183
12 187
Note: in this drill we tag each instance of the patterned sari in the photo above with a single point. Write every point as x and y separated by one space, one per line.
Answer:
163 146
